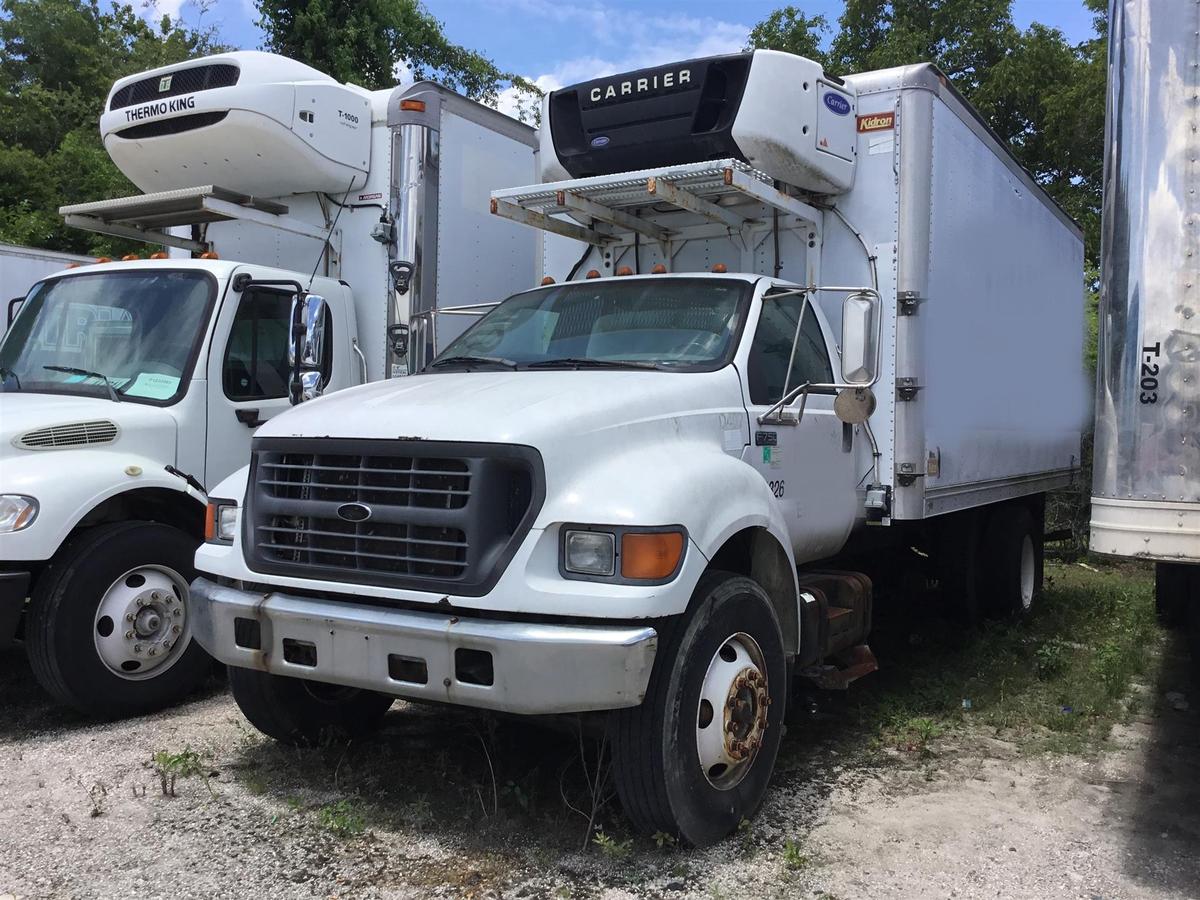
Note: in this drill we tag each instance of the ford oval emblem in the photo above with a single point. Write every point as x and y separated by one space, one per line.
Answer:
354 512
600 141
837 104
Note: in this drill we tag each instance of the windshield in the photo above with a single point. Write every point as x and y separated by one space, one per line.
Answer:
124 335
668 323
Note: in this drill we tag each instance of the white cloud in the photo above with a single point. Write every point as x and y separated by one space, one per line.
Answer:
654 40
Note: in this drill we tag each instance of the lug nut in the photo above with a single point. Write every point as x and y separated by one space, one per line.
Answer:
137 648
156 595
141 602
151 651
175 629
129 635
128 617
178 612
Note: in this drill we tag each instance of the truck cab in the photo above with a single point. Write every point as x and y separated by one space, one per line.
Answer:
127 387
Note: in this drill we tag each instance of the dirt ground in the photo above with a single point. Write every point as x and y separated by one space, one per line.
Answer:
454 805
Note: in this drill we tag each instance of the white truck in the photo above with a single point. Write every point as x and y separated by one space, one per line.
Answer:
819 318
129 386
20 267
1146 474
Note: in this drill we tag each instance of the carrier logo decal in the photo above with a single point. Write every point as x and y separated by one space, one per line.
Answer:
652 82
600 141
837 104
876 122
164 83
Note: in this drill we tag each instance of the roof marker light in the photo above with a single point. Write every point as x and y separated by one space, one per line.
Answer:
720 269
624 270
659 269
592 273
208 254
130 257
547 280
161 254
103 259
413 105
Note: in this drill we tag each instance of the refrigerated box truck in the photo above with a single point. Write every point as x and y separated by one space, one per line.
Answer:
819 317
1146 473
292 204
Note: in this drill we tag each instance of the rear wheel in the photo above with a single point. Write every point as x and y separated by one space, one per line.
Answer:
1011 574
694 759
306 713
1172 584
108 630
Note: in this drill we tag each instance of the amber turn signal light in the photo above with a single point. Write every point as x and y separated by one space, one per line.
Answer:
650 556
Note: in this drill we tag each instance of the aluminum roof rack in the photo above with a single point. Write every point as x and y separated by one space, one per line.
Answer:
727 193
146 217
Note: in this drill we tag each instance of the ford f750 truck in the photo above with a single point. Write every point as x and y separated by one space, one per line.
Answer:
818 317
128 386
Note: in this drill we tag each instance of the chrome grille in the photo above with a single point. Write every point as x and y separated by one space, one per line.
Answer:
423 513
75 434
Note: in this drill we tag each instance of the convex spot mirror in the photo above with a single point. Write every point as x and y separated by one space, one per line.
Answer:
854 405
859 335
306 347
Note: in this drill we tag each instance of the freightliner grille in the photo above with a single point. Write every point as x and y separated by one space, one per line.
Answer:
404 513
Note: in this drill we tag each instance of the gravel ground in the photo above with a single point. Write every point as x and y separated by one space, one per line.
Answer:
416 814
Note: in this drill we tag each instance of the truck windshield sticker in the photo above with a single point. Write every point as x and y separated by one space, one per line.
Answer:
154 386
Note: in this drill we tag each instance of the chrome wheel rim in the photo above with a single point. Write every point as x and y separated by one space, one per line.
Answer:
731 716
141 626
1027 566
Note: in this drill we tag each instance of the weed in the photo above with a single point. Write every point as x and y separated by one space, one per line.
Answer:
184 764
1051 657
664 841
341 819
794 857
611 847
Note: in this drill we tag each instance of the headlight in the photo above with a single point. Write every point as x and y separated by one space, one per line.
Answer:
646 555
221 521
16 512
590 553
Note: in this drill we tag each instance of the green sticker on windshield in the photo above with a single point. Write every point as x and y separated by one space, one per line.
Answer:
154 386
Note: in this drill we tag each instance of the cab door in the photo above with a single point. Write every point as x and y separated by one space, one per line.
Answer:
808 465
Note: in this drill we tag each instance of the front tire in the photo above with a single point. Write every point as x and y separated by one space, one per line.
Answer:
108 630
695 758
306 713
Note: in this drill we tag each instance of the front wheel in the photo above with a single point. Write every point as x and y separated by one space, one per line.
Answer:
108 629
306 713
694 759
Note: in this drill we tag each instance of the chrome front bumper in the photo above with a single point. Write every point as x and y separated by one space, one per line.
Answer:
534 669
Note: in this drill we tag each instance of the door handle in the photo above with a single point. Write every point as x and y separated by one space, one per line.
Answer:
249 417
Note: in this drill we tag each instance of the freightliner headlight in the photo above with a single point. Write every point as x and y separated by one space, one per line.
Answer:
16 512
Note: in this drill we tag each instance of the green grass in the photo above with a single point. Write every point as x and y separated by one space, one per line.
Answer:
341 819
1055 680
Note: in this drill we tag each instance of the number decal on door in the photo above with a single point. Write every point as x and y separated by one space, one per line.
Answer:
776 488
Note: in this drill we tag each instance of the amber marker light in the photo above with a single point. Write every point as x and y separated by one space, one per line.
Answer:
413 105
650 556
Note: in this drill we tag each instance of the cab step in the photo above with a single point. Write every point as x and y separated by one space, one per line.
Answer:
846 667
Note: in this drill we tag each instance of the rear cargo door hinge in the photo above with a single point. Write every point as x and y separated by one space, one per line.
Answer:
907 473
907 302
907 388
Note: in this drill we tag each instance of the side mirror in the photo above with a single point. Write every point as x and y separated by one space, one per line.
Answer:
860 332
397 336
306 350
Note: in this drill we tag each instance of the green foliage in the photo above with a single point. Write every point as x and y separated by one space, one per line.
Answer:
184 764
368 41
612 848
794 857
790 30
58 60
341 819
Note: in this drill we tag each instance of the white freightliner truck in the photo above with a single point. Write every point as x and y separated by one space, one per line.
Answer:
129 386
1146 473
819 317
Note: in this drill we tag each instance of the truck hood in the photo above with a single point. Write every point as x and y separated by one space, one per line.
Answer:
146 430
538 408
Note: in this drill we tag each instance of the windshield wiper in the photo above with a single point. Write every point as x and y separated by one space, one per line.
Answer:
579 362
473 361
6 373
113 392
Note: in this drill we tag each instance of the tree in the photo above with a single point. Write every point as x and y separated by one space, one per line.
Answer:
58 60
790 30
369 41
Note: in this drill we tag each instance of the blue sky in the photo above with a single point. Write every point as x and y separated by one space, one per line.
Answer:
560 42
